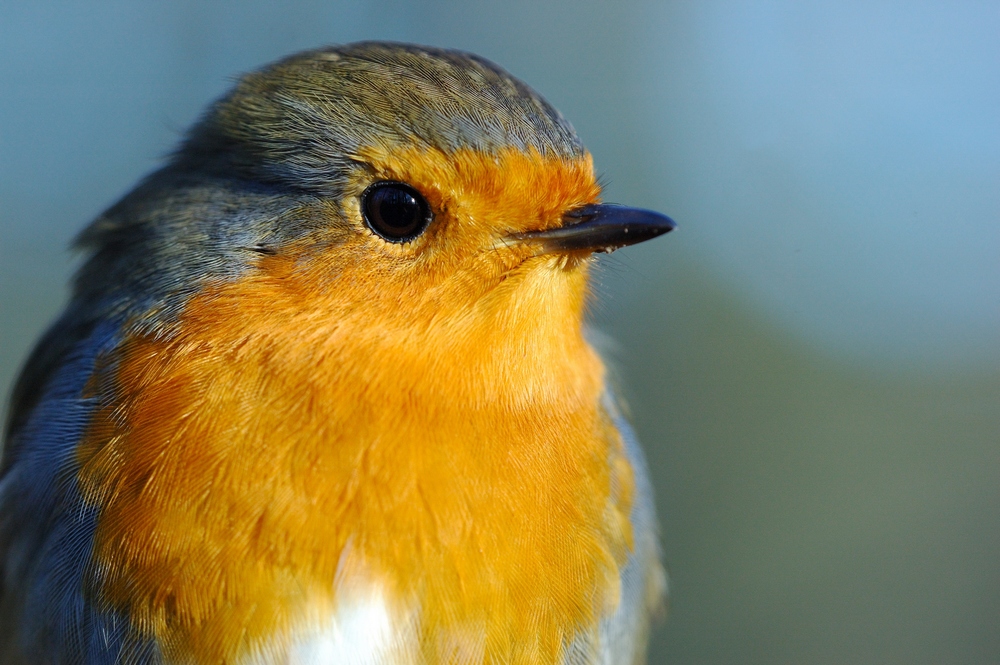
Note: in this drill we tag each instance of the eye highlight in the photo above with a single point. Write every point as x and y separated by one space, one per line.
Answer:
395 211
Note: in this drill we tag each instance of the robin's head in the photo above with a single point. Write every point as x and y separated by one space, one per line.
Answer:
410 172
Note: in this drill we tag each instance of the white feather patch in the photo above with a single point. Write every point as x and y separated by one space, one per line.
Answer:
364 628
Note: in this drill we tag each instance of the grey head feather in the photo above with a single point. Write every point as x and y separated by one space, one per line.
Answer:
297 121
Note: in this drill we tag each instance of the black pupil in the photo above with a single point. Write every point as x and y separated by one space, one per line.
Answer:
395 211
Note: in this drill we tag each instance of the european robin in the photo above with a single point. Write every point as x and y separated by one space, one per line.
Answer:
322 393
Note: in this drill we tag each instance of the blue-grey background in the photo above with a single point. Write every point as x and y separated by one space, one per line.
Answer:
812 360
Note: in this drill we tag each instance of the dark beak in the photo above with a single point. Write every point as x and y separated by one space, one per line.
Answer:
600 228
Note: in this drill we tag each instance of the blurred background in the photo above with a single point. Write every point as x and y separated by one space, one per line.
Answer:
812 359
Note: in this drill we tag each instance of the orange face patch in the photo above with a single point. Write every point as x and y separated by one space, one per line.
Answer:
429 413
511 191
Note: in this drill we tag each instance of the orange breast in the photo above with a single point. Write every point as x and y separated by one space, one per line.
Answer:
285 431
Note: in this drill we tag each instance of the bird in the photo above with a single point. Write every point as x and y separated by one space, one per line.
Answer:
324 392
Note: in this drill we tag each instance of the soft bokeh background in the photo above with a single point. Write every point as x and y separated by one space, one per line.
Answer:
812 359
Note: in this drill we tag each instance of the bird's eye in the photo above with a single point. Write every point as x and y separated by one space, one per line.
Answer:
395 211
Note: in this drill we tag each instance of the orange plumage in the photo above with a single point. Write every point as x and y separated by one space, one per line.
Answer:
307 409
